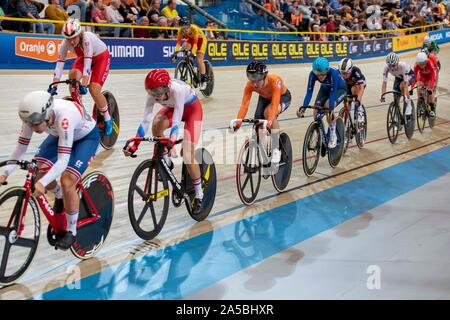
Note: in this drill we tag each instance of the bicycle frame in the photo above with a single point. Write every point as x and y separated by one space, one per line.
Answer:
190 64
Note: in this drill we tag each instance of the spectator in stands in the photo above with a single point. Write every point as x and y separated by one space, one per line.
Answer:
30 9
210 35
138 8
83 5
142 32
280 26
115 17
156 18
54 11
296 19
171 13
127 13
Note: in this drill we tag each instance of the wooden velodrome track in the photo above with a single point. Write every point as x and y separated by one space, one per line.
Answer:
52 269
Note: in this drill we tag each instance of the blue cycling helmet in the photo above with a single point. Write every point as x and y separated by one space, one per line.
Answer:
321 65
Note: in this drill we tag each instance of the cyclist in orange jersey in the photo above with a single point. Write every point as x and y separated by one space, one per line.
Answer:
274 98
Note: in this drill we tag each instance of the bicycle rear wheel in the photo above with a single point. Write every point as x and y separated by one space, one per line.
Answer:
92 235
248 172
108 142
421 114
335 154
311 148
361 130
182 72
148 184
347 128
281 179
410 121
209 183
17 252
393 122
210 86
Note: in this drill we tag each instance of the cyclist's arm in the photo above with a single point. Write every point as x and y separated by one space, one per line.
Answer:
62 54
195 41
276 97
310 89
385 78
245 102
416 72
88 54
333 90
148 112
434 74
177 114
360 82
65 143
21 148
179 38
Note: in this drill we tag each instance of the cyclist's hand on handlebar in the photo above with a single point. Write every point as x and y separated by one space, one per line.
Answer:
233 129
430 91
3 179
301 112
173 57
382 99
83 89
411 92
130 150
39 190
53 90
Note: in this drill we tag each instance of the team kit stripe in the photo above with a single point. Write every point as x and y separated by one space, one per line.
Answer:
24 141
64 150
44 161
74 172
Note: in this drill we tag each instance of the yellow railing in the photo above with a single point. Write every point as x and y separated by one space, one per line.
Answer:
398 31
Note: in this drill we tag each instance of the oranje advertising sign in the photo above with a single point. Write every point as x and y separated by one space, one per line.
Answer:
43 49
408 42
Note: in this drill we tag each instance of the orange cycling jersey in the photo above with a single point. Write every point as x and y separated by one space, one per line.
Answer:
273 90
194 35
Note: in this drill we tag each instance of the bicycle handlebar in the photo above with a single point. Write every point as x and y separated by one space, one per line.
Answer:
254 121
23 164
68 81
163 140
394 92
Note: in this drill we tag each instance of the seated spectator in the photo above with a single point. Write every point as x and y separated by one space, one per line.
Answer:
139 9
54 11
115 17
156 18
280 26
210 35
126 12
268 6
142 32
30 9
80 4
171 13
296 19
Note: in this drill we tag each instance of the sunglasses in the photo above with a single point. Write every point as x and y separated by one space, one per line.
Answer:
255 77
320 74
33 119
158 91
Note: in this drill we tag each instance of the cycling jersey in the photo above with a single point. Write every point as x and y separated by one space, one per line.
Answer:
355 78
427 75
333 83
273 90
71 123
196 38
401 70
432 48
435 60
182 103
90 48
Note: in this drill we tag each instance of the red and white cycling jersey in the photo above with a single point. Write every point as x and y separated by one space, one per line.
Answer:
427 75
71 123
91 47
401 70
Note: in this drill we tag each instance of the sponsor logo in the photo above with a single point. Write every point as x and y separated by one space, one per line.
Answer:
78 164
367 47
126 51
437 36
354 49
376 46
168 51
43 49
65 123
388 45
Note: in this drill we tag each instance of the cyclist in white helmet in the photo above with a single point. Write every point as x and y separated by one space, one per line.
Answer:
91 65
71 144
404 76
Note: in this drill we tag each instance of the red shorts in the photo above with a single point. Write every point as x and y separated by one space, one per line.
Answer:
426 80
100 67
192 117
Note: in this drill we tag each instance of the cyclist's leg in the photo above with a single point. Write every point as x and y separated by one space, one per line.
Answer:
201 47
76 71
161 122
358 90
262 105
100 71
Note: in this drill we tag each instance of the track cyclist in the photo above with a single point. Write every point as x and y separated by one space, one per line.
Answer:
91 65
196 42
333 90
356 83
179 103
67 151
426 72
274 98
430 45
404 76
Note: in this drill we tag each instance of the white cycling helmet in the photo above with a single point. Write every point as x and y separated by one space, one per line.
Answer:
71 29
421 58
392 59
427 41
346 65
35 107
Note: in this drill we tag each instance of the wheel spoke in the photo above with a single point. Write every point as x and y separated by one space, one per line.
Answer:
5 258
152 210
246 181
141 192
141 216
24 242
252 187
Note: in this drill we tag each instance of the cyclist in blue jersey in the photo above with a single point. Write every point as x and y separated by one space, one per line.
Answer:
333 90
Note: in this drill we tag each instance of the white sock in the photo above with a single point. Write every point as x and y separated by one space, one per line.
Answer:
198 188
57 191
105 113
72 218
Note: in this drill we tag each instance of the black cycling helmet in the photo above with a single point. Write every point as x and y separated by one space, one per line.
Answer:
256 71
185 22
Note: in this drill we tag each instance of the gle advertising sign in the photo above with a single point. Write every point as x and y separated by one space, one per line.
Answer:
43 49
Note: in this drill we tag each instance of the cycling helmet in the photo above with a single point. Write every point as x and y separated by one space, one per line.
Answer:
346 65
185 22
321 65
392 59
35 107
157 82
256 71
421 58
427 41
426 51
71 29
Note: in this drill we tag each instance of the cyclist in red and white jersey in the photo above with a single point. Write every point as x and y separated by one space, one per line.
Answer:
426 72
91 65
179 103
404 76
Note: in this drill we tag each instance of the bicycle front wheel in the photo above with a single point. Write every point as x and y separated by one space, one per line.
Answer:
248 172
17 251
210 86
182 72
393 122
410 121
148 200
421 114
347 127
91 235
311 148
361 129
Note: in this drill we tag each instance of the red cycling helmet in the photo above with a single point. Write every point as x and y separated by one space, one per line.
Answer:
157 82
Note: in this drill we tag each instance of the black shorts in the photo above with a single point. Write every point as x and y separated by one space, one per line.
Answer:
324 95
397 81
263 103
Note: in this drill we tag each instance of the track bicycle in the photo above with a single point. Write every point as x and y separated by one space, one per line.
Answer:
353 127
397 119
